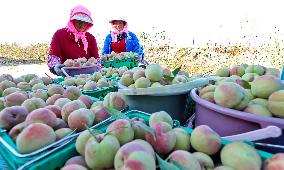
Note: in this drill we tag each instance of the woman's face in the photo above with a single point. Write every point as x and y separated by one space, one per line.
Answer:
119 25
80 25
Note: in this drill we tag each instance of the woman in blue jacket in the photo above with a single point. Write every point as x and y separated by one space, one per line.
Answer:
121 40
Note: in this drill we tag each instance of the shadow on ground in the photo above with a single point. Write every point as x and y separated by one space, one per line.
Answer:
4 61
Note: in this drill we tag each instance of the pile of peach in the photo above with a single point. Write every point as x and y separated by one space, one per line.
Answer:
253 89
133 145
39 118
79 62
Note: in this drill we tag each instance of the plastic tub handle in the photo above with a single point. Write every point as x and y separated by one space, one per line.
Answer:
264 133
64 72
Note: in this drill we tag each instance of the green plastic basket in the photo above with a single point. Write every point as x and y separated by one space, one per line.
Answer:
12 156
59 156
100 93
129 62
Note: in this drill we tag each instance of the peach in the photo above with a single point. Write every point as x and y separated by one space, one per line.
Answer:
276 162
10 90
122 130
250 77
2 103
102 82
186 159
244 102
161 116
204 160
51 100
142 82
126 80
24 86
223 72
97 103
55 89
165 138
237 70
123 154
33 103
61 102
265 85
70 107
95 149
228 94
87 100
139 73
38 86
81 141
79 119
4 77
204 139
223 168
16 130
78 160
72 92
59 123
80 81
55 109
180 79
138 160
11 116
139 132
69 81
39 93
260 101
258 69
240 156
207 93
42 115
35 81
74 167
276 103
29 77
156 84
6 84
258 110
90 85
62 132
34 137
46 80
183 139
100 113
15 99
115 100
154 72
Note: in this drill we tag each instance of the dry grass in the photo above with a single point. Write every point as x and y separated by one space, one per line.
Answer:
203 59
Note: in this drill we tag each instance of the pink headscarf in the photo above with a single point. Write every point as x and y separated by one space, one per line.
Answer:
70 26
114 32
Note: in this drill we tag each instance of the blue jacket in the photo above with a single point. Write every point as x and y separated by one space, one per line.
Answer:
132 45
282 74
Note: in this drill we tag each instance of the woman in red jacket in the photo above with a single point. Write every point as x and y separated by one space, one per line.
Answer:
73 41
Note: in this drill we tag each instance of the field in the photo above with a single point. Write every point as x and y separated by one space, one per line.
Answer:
202 59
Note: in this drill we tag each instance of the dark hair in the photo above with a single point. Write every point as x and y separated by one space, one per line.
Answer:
112 21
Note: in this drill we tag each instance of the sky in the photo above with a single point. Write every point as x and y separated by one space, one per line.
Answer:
35 21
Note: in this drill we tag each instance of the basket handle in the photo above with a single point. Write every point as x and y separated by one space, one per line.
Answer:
64 72
264 133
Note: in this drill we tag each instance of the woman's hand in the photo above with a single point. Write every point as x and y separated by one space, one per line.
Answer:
58 70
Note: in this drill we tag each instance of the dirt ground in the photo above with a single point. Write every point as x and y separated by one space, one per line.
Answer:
21 67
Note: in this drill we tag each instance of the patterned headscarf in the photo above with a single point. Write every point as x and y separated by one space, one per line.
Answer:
70 26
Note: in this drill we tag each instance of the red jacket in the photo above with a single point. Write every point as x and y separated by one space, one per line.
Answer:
63 45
